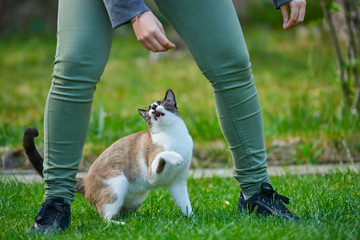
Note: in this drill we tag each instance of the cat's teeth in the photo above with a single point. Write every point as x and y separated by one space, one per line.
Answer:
158 115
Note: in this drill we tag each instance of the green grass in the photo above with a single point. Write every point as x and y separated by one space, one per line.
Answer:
295 77
329 206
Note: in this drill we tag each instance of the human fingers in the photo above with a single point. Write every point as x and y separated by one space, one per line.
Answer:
143 37
160 26
157 41
294 13
150 33
297 13
156 45
301 16
163 40
147 45
285 13
147 37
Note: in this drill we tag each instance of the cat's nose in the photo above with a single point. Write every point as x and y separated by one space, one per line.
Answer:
153 107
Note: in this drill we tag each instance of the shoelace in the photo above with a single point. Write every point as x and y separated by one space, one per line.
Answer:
52 209
285 200
273 195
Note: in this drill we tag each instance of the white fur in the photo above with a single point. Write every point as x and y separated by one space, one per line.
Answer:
138 190
169 132
174 163
119 185
181 197
129 195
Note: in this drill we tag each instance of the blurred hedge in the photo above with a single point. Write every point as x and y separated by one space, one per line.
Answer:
36 16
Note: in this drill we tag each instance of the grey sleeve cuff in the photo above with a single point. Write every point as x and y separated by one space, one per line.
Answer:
278 3
123 11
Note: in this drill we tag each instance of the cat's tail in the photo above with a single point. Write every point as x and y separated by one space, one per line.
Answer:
36 160
33 155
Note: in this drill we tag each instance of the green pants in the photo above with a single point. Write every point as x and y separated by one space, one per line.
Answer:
212 33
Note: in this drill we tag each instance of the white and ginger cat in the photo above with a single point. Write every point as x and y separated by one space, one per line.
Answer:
121 177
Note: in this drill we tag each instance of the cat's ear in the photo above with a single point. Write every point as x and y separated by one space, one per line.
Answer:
143 113
170 97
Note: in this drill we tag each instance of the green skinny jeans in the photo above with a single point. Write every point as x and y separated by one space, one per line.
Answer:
214 37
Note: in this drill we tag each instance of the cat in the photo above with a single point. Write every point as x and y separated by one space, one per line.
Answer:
120 179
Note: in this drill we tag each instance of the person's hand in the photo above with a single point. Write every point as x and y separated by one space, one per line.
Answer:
150 33
297 13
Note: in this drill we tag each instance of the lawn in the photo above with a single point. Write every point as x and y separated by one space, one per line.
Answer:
329 206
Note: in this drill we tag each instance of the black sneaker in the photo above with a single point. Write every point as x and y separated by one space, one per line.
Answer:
54 215
267 202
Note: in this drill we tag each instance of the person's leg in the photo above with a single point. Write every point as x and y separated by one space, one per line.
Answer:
84 38
213 34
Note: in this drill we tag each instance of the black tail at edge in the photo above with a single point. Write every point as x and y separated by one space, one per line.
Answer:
31 151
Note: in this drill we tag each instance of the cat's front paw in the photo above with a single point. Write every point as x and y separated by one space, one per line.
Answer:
173 158
178 161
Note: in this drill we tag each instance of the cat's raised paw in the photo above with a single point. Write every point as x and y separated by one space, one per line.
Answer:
172 157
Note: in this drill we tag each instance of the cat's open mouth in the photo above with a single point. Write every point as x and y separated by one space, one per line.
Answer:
158 115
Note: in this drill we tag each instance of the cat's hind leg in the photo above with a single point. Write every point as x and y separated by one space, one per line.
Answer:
118 187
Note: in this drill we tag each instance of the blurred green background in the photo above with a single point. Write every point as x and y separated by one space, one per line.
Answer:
295 74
